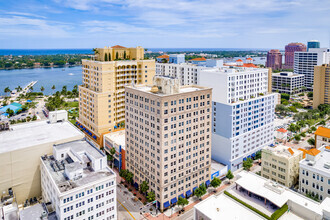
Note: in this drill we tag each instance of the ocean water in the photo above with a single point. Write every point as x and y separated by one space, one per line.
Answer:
46 77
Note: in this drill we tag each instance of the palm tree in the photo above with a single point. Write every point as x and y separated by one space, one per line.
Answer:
18 88
53 88
7 90
42 89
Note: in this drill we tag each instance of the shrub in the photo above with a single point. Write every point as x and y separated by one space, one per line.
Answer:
279 212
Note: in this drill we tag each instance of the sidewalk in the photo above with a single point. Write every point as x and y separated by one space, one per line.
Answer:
191 205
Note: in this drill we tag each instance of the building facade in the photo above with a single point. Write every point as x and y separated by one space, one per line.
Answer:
288 82
177 58
78 183
321 90
289 53
313 44
281 164
243 112
168 138
314 173
304 63
101 96
116 140
322 137
274 59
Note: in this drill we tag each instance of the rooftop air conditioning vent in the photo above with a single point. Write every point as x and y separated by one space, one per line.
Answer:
327 165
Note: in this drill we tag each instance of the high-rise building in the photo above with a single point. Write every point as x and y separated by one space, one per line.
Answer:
168 137
78 183
274 59
287 82
289 53
243 112
321 90
102 96
313 44
281 164
304 63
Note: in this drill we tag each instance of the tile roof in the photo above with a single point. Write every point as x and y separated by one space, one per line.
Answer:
304 151
199 59
282 130
165 56
118 46
313 152
249 58
291 151
249 65
239 60
322 131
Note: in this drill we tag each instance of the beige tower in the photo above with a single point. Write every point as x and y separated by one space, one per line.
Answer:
102 95
321 90
168 136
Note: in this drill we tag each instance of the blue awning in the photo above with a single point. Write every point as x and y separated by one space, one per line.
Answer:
94 137
166 204
207 182
182 195
174 200
81 126
244 159
194 189
249 156
76 122
115 126
136 185
84 129
188 193
253 155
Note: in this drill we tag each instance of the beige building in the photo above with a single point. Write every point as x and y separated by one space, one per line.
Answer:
321 90
101 96
20 150
281 164
168 137
322 137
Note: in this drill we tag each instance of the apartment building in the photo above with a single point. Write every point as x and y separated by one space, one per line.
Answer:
243 112
281 164
322 137
321 90
288 82
304 63
289 53
102 96
20 150
78 183
168 137
274 59
314 173
186 73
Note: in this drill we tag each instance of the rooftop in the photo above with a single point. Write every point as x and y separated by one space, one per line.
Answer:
322 131
287 74
36 133
282 130
199 59
75 170
319 160
223 207
165 56
117 137
282 151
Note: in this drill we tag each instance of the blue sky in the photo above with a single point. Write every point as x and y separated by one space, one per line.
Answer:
162 24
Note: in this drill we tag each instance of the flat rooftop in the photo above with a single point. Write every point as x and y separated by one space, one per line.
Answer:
183 89
282 151
79 154
223 207
118 137
215 166
322 159
234 70
287 74
36 133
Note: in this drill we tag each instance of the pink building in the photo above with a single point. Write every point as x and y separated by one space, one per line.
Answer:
274 59
289 53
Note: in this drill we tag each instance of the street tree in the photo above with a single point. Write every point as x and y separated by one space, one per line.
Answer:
110 156
230 175
144 187
215 182
151 196
311 141
247 164
182 202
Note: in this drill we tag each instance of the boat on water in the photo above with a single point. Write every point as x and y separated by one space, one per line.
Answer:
70 74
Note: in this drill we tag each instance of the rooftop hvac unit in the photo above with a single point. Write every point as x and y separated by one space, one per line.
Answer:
327 165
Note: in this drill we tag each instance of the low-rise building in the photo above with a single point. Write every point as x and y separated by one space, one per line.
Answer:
78 183
177 58
198 61
322 137
163 58
21 148
288 82
314 173
281 134
281 164
116 140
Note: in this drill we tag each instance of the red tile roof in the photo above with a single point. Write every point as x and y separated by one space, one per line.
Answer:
291 151
199 59
118 46
165 56
282 130
249 58
313 152
249 65
239 60
322 131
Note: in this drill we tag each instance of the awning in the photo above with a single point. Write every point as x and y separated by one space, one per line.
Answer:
166 204
84 129
253 155
188 193
94 137
194 189
174 200
244 159
81 126
136 185
76 122
207 182
182 195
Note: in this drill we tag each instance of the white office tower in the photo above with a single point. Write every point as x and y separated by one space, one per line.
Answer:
304 63
243 112
78 182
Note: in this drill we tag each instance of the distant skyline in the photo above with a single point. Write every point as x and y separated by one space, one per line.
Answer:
52 24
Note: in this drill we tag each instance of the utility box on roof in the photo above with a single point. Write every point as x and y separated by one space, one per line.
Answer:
58 116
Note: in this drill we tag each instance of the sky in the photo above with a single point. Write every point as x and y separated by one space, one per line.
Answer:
43 24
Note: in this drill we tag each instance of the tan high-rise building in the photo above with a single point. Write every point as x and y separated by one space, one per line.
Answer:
102 95
321 90
168 137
